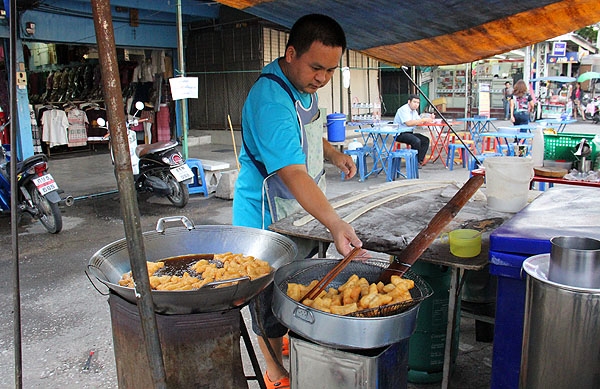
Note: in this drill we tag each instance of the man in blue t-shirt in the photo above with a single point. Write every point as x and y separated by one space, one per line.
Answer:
408 117
283 147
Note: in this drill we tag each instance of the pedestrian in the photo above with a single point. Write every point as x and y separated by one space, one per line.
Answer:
506 94
521 104
407 117
282 158
576 98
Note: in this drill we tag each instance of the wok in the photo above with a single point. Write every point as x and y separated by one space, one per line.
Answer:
110 262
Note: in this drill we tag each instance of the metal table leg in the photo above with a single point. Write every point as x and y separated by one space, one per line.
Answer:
457 279
250 349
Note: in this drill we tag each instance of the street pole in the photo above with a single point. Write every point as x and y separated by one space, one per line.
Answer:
184 111
14 210
113 99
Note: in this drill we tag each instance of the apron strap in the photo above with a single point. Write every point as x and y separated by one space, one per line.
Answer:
259 165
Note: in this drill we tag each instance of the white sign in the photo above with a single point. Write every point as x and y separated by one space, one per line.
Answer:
184 87
559 49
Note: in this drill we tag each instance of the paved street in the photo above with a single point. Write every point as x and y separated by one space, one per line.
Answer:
64 318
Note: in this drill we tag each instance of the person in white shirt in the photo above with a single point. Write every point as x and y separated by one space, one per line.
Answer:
407 117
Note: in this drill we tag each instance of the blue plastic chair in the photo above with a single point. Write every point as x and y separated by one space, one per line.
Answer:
394 163
198 184
452 147
481 157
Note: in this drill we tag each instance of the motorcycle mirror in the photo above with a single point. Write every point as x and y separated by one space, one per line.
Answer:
139 105
101 122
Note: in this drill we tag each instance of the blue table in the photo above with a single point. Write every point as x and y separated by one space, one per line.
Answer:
478 126
519 136
551 123
379 135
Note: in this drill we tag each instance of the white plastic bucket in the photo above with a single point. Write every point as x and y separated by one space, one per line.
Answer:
507 182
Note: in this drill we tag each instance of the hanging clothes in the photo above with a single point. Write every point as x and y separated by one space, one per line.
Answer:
77 127
54 127
35 131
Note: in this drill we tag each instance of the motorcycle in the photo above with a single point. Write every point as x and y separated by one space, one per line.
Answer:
158 168
38 192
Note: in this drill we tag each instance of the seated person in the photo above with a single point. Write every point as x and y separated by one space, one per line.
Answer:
408 116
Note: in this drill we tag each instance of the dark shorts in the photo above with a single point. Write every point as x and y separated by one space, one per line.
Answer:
521 117
262 303
260 306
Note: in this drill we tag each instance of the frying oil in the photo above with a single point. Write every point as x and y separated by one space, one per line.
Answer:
176 266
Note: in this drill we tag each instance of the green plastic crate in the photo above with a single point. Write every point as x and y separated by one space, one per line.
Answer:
561 147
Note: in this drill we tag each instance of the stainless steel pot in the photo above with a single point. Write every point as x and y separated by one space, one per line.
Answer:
575 261
111 261
333 330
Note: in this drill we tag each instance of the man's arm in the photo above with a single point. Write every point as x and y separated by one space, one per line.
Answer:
312 199
342 161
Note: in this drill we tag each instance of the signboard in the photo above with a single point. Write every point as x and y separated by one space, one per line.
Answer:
570 57
484 100
184 87
559 49
426 77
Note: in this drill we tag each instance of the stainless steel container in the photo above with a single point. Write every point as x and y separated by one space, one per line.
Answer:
561 335
575 261
316 366
111 261
333 330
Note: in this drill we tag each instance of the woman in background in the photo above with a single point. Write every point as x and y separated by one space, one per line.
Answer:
520 104
576 97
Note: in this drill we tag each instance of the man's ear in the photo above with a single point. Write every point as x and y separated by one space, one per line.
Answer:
290 53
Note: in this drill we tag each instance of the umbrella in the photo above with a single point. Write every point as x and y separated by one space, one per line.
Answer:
588 76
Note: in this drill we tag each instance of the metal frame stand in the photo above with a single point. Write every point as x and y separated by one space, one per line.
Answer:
250 349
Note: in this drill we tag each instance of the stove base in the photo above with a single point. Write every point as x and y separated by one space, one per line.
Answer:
199 350
316 366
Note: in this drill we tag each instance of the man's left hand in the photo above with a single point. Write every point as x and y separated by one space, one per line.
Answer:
345 163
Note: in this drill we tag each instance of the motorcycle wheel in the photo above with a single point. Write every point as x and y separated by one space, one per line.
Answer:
180 195
49 213
588 116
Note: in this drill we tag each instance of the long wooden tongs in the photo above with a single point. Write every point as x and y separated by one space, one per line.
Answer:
321 285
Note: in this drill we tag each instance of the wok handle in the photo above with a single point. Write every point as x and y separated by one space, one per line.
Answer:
161 228
92 282
421 242
217 283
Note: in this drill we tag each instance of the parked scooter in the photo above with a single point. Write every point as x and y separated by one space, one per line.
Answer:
158 168
592 110
38 192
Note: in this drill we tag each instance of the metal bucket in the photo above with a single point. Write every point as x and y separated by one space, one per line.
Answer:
111 261
575 261
561 335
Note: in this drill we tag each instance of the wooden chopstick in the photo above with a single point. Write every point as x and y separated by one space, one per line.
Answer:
321 285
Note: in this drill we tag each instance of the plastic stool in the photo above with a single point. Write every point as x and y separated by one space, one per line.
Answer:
464 155
395 160
198 184
361 160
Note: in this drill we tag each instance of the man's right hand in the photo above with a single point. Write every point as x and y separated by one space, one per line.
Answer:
344 237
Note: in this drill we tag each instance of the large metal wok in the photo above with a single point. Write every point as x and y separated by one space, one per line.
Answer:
111 261
342 331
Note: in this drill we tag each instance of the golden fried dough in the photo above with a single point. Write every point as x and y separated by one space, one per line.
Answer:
234 266
355 294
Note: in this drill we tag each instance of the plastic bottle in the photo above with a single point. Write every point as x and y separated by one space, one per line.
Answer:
537 150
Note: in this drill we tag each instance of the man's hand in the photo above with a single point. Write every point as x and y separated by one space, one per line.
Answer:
344 162
344 237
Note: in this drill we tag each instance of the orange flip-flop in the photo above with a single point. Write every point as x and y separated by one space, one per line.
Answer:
283 383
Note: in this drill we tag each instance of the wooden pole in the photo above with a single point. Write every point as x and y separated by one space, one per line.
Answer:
237 161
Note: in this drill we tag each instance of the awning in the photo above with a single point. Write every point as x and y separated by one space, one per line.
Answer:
430 32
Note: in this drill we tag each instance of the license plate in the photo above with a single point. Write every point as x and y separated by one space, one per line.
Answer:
182 173
45 184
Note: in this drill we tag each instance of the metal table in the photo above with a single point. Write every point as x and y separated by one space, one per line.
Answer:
379 135
440 136
476 127
519 136
390 227
551 123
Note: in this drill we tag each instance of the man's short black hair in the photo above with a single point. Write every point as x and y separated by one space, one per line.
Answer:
413 96
316 27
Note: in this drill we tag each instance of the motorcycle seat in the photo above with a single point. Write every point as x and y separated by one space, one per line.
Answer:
142 150
29 161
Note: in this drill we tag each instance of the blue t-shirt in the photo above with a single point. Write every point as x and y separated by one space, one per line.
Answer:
272 134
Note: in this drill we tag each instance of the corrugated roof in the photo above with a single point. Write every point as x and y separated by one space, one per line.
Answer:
433 32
